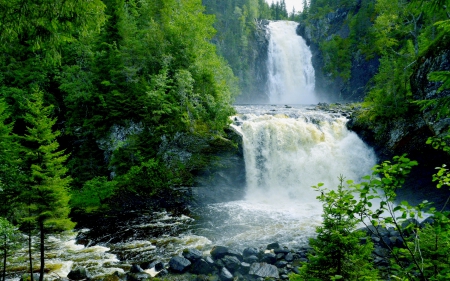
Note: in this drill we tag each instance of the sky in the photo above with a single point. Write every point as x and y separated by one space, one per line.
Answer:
298 4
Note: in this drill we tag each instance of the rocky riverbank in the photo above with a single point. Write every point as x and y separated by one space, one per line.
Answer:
274 262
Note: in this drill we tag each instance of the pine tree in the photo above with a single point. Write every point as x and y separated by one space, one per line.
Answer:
48 186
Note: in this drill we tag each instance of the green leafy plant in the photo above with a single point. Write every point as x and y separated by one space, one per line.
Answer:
337 250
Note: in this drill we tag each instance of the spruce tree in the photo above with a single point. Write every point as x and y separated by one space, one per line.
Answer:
47 193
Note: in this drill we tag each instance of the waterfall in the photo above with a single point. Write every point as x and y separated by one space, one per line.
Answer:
289 150
290 72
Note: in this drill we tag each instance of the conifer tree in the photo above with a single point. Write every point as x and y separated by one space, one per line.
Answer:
48 186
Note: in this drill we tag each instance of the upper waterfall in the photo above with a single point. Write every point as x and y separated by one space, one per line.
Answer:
290 71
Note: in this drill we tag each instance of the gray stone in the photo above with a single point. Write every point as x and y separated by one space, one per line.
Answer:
289 257
251 259
244 268
281 264
202 267
179 264
273 246
232 263
235 253
225 275
219 252
192 254
269 258
79 273
136 269
252 251
263 270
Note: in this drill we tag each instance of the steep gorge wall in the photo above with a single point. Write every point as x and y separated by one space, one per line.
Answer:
330 87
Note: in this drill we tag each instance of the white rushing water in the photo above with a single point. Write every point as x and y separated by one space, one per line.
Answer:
290 72
287 150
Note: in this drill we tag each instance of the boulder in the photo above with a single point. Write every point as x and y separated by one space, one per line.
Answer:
202 267
192 254
136 269
179 264
225 275
270 258
252 251
251 259
281 264
138 276
244 268
281 251
232 263
235 253
79 273
263 270
273 246
218 252
289 257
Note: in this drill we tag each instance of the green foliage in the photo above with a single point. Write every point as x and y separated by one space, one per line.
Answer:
337 56
48 192
93 194
9 237
338 253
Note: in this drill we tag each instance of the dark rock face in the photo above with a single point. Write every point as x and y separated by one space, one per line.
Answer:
79 273
192 254
231 263
179 264
219 252
225 275
250 252
224 179
202 267
264 270
437 59
333 89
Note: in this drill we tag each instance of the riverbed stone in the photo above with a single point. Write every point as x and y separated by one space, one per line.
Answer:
281 264
235 253
289 257
218 252
251 251
225 274
79 273
192 254
273 246
202 267
179 264
136 269
244 268
281 251
141 276
270 258
232 263
251 259
262 269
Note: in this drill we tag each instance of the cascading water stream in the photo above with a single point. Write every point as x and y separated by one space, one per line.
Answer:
290 72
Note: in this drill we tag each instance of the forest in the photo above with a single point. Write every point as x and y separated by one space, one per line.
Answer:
104 99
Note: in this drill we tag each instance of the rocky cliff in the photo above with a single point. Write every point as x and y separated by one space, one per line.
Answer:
329 87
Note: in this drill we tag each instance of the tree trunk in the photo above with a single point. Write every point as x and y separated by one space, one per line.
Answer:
29 254
42 250
4 260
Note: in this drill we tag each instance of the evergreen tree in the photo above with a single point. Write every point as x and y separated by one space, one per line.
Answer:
47 195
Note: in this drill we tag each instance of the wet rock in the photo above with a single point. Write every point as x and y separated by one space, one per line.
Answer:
202 267
270 258
232 263
289 257
251 259
281 250
281 264
192 254
273 246
280 256
179 264
244 268
235 253
252 251
218 252
225 275
136 269
209 260
138 276
79 273
264 270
